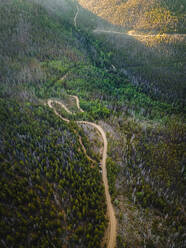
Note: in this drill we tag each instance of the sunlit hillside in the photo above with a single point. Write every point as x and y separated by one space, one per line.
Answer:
149 40
142 15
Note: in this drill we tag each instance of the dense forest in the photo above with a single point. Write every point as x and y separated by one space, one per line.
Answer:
52 195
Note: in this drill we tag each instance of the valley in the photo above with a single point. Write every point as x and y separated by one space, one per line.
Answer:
92 124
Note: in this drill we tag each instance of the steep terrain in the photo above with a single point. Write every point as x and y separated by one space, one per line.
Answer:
51 195
151 60
111 233
141 15
52 191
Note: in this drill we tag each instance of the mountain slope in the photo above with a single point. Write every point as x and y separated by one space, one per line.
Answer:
152 60
33 34
47 197
51 192
142 15
30 36
46 178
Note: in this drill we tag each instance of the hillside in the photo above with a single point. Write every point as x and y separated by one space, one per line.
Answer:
147 40
32 35
47 197
141 15
51 187
51 194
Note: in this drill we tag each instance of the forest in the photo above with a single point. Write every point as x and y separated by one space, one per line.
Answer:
52 195
145 15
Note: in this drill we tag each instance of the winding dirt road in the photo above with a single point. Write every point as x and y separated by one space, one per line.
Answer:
107 31
77 103
76 15
134 34
111 232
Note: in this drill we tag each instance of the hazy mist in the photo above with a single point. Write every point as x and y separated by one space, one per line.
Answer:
55 4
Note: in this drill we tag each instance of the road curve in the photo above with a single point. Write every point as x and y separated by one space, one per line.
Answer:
75 17
50 105
111 238
77 103
111 233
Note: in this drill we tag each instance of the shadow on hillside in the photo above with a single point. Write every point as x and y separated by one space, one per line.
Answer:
155 63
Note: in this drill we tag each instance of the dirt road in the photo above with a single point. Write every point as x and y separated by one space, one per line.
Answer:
134 34
77 103
130 33
75 18
111 232
111 237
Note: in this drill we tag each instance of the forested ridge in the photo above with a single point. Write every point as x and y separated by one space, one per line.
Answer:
51 193
144 15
